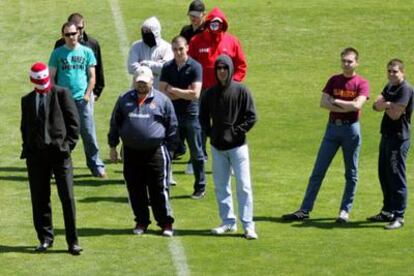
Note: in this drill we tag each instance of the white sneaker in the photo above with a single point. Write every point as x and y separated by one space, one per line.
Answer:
189 169
250 234
395 224
167 231
343 217
224 228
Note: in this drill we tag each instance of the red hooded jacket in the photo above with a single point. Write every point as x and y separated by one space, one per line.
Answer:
207 46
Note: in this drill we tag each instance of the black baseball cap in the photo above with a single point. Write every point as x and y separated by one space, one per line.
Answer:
196 8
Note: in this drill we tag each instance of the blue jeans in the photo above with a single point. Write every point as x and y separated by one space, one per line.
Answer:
391 171
348 137
88 134
223 161
189 126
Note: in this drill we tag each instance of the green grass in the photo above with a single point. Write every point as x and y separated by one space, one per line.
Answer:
292 47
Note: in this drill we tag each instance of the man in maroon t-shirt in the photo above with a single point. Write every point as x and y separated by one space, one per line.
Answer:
344 96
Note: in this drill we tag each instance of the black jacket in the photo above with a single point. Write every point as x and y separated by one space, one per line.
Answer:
227 112
94 45
188 32
62 122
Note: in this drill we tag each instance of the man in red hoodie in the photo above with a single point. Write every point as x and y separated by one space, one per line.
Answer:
214 41
207 46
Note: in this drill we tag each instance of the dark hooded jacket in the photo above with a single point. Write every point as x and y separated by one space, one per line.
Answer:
227 112
207 46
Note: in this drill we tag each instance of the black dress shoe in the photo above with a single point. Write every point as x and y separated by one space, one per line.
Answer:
75 249
44 246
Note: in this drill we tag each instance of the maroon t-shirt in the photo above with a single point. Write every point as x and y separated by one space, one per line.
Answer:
347 89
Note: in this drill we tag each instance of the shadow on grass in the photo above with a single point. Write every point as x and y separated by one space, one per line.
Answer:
99 182
323 223
92 232
13 169
26 249
104 199
14 178
180 197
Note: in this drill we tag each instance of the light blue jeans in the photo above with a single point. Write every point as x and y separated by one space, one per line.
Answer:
88 134
223 161
348 137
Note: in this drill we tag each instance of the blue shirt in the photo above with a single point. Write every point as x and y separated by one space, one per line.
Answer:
181 78
143 126
72 68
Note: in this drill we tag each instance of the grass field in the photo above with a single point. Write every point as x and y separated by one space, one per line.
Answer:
292 48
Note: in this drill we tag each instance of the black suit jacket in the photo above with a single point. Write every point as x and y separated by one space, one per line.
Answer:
92 43
62 121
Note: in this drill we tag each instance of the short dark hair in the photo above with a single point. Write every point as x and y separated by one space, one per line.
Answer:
67 25
179 38
75 17
350 50
396 62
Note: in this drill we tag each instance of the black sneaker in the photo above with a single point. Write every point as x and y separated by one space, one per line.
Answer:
298 215
382 217
198 194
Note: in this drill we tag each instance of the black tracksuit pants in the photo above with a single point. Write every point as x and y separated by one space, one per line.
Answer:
391 170
146 173
40 166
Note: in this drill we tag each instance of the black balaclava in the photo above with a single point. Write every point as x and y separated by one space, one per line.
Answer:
148 38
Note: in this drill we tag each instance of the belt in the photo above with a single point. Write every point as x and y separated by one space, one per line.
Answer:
340 122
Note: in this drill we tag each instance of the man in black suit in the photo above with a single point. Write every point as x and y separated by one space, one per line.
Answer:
50 130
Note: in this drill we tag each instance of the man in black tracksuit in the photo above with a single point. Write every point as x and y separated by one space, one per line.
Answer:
227 113
145 120
396 101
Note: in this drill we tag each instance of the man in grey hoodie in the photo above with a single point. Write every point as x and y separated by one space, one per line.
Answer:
151 51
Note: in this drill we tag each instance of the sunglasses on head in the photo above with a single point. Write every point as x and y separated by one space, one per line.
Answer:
70 34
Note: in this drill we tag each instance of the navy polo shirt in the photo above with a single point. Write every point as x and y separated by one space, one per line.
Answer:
181 78
399 94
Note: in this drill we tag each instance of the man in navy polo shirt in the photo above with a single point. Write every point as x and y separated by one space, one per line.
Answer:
181 80
396 101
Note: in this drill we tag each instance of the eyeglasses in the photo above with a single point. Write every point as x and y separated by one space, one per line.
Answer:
222 68
70 34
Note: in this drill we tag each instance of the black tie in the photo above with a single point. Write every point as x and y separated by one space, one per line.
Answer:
41 116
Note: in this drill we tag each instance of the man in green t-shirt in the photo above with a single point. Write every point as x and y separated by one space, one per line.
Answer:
73 66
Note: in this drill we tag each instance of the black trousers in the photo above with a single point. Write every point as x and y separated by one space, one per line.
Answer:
391 170
40 166
146 173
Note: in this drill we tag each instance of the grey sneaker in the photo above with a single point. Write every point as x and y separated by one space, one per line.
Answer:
250 234
224 228
198 194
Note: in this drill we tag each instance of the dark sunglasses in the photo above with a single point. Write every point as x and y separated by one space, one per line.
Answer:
70 34
347 61
222 68
393 71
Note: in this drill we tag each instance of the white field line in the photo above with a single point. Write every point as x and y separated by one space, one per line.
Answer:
175 246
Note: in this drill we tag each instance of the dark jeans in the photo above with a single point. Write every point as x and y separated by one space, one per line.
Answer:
146 173
40 166
391 171
190 127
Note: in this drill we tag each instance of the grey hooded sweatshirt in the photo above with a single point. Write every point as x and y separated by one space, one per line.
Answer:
154 57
